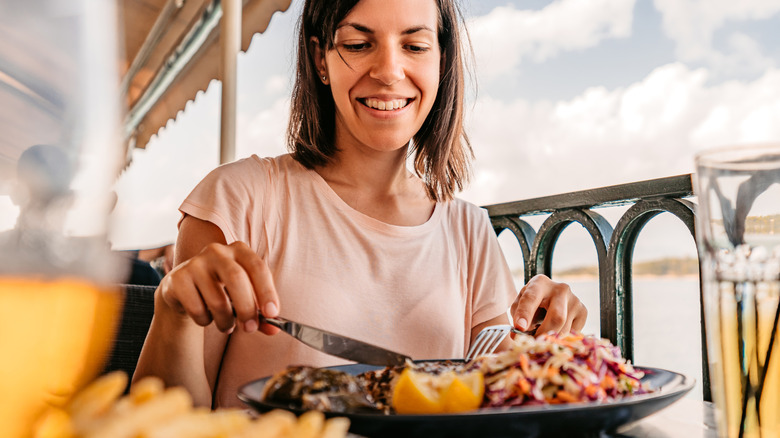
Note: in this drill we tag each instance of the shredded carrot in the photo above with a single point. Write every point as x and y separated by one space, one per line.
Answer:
570 340
524 365
595 392
525 387
565 396
608 382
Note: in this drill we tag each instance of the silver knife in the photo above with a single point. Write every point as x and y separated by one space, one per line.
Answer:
337 345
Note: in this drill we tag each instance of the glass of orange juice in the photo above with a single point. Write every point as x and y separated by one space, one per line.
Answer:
738 236
59 158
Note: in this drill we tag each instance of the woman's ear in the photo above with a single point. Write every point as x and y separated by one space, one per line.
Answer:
318 55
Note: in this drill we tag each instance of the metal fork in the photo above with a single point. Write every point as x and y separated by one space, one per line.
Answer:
489 338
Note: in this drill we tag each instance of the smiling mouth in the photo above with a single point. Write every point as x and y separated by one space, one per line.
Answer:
385 105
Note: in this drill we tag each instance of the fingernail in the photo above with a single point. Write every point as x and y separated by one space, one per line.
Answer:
270 309
250 326
522 324
230 330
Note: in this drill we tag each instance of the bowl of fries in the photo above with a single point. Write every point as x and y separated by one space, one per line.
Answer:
149 410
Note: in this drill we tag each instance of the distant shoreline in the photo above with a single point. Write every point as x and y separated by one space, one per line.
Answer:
584 277
682 268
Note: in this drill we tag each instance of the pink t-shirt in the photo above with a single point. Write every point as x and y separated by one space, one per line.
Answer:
417 290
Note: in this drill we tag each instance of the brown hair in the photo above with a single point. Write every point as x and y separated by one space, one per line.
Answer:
442 150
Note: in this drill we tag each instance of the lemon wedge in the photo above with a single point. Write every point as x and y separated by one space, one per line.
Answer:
464 393
423 393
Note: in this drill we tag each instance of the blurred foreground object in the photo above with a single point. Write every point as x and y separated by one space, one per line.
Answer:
155 412
59 157
738 236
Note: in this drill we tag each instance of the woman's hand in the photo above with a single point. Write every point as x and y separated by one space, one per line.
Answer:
564 311
216 282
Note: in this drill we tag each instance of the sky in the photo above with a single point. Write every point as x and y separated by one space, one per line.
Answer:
566 95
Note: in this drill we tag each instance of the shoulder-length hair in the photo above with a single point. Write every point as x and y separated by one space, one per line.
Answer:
441 148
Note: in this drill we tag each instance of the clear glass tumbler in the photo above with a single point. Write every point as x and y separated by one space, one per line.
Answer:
738 237
59 158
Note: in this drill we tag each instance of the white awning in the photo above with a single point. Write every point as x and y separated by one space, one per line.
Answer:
172 51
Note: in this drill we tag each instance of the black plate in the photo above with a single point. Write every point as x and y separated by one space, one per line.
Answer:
532 421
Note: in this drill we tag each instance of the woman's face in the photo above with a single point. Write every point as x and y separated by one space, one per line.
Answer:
383 72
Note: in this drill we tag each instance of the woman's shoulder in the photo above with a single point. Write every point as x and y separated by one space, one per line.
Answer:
462 207
256 169
466 214
254 162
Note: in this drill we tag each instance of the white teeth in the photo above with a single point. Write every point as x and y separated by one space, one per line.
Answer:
386 105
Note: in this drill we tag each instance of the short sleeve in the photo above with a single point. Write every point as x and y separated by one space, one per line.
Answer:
489 277
230 196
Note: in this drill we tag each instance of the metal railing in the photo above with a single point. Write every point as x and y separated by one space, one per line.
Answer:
614 246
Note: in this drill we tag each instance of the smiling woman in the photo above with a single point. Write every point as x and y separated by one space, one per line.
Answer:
386 56
384 74
340 234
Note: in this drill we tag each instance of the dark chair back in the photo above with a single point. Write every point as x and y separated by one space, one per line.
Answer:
137 315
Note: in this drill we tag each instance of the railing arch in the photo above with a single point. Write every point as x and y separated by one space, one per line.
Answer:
525 235
621 251
599 229
614 248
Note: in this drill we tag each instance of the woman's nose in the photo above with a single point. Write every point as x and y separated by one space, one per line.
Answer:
388 66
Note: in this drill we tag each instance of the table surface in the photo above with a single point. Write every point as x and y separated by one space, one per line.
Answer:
686 418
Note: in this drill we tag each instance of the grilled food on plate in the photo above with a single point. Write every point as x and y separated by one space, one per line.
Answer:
548 369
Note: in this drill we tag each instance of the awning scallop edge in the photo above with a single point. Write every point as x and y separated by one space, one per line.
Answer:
178 66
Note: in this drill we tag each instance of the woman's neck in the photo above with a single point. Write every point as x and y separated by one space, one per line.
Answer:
376 173
378 185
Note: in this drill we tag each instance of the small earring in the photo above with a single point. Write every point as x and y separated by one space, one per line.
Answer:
324 78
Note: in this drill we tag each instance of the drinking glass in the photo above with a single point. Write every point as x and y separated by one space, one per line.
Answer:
738 237
59 157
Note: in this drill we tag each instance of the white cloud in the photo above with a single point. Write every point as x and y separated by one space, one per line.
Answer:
505 36
693 24
277 84
647 130
602 137
162 175
264 132
741 112
152 188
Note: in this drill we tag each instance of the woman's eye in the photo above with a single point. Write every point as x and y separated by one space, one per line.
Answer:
356 47
416 49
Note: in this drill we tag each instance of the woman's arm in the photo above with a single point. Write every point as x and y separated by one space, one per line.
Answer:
210 281
564 311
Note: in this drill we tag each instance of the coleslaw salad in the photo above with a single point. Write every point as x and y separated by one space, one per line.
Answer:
553 369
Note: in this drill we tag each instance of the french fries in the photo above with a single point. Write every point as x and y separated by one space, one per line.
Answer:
152 411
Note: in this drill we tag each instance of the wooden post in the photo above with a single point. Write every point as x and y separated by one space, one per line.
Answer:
230 37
